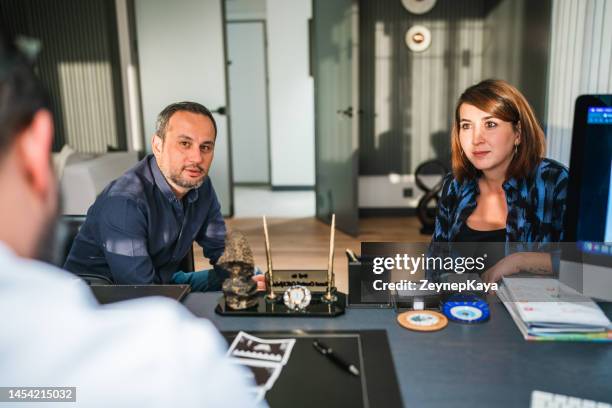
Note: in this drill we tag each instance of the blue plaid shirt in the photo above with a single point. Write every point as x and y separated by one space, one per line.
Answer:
536 205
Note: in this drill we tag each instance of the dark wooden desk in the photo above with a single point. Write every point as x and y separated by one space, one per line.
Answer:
483 365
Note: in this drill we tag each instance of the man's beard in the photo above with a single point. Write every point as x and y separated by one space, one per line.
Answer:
180 181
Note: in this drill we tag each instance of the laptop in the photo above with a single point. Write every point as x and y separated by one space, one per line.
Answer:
106 294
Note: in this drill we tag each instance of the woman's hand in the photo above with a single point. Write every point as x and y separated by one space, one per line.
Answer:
530 262
504 267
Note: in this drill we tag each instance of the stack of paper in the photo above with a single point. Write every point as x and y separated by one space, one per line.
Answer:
546 309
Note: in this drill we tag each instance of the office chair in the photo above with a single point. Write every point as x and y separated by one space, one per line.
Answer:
187 263
68 228
425 213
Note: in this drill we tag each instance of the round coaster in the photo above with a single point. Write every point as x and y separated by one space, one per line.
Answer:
422 320
466 309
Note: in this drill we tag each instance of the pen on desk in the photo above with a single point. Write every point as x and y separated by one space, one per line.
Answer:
328 352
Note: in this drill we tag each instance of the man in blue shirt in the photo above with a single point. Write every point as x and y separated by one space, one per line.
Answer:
144 223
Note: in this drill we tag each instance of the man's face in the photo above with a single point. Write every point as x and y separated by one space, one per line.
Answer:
186 153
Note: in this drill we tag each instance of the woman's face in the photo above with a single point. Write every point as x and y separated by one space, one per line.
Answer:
487 142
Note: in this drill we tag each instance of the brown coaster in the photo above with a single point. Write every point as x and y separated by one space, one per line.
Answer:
422 320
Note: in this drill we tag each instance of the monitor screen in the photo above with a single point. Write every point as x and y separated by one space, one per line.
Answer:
595 215
586 256
589 202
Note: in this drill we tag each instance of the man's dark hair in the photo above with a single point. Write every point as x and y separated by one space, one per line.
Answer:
21 93
164 116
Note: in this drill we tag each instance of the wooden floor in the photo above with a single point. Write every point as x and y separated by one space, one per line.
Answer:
303 243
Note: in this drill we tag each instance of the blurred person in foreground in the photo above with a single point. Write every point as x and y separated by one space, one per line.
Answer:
149 352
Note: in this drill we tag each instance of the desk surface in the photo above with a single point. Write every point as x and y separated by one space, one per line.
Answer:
311 380
463 365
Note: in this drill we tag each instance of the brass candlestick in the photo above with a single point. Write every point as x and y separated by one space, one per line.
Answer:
270 296
329 296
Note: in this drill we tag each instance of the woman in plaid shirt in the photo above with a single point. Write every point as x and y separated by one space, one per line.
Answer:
501 188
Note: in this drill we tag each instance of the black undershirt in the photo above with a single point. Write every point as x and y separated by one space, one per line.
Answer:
467 234
490 243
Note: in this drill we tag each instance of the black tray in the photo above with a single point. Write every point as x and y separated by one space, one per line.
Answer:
316 308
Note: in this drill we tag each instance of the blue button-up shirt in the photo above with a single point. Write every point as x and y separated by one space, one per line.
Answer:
137 231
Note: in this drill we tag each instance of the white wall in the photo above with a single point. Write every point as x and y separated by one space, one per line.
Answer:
291 93
245 10
580 63
249 102
388 191
129 76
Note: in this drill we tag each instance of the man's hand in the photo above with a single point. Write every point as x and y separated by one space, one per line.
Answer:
261 282
260 278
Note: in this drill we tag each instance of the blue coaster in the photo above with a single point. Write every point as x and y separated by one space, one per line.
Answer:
466 309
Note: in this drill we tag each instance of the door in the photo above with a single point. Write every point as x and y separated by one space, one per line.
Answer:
248 86
181 55
334 59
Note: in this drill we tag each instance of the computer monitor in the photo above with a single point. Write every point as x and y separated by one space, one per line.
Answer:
586 256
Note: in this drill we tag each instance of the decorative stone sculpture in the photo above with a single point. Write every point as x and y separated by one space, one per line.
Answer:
240 289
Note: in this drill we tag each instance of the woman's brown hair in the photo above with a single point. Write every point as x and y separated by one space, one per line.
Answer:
504 102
